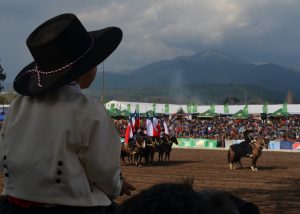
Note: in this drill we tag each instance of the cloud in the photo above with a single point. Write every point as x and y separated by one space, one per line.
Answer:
162 29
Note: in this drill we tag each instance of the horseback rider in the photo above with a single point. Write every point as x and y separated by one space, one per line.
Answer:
164 138
248 143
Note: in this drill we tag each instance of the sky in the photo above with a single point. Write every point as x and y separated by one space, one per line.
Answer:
258 31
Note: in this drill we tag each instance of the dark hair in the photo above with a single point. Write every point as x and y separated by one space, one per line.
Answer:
180 198
226 203
163 198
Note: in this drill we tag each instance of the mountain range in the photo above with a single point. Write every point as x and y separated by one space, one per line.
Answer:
205 77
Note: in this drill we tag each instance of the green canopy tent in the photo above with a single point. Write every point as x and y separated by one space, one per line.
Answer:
279 113
150 113
282 112
124 113
241 114
115 112
108 111
207 113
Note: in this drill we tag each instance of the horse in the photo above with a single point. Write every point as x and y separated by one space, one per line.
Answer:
143 148
127 150
165 147
237 151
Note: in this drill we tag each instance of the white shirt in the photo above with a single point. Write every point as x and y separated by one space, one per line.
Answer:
60 148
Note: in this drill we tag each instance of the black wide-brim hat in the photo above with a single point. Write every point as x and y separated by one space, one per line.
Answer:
63 51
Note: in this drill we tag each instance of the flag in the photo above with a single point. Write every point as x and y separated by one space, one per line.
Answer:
194 108
189 108
245 110
154 107
128 133
284 108
132 120
212 108
136 117
156 127
166 128
128 108
167 108
149 126
226 108
137 108
265 108
112 107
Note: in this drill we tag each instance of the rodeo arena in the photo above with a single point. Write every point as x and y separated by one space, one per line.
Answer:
168 142
203 144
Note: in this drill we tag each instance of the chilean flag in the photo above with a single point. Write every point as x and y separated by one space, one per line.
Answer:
149 126
166 128
128 133
156 127
132 120
135 121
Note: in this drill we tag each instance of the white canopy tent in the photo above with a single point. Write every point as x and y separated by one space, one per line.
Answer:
219 109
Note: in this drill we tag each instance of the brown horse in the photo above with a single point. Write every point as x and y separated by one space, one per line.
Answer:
127 150
237 151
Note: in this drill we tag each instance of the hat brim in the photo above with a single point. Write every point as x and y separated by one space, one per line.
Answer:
105 42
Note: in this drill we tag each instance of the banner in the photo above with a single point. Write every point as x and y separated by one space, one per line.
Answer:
296 146
195 143
286 145
274 145
228 143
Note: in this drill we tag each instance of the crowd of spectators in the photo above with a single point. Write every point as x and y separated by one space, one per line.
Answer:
226 128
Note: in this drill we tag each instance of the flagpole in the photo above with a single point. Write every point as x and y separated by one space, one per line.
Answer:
102 89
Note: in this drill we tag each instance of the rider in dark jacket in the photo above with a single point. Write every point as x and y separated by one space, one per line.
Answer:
247 143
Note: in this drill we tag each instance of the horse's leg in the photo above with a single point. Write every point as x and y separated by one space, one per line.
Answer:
160 155
132 158
152 156
122 159
129 158
254 160
240 163
147 154
169 153
230 157
136 159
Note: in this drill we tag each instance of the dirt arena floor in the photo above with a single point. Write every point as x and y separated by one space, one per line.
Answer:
275 187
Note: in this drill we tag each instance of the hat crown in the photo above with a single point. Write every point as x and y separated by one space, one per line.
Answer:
58 42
